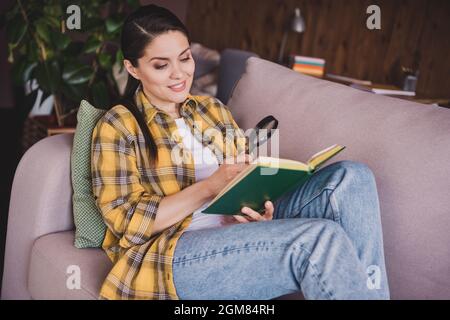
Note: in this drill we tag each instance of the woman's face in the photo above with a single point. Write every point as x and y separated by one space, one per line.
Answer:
166 70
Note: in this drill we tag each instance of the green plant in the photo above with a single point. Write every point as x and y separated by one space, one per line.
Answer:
69 64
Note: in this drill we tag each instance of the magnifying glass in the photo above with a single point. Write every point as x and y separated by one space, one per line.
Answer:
256 139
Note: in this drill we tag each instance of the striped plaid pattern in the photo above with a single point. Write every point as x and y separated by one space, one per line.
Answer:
128 191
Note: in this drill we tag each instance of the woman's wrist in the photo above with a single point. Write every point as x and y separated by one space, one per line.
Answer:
207 188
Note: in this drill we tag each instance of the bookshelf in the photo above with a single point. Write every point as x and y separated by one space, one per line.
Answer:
440 101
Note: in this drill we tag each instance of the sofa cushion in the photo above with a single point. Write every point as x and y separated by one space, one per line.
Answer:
406 144
54 263
90 228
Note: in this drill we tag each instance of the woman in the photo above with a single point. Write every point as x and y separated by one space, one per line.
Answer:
323 239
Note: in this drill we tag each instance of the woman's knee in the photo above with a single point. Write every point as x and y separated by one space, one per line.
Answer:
357 172
321 232
357 167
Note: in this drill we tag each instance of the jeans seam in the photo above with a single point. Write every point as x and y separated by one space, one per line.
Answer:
321 283
317 194
236 249
334 208
336 216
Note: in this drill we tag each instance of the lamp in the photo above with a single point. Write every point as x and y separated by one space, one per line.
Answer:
297 25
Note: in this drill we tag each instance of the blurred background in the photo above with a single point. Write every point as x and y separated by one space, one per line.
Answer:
47 67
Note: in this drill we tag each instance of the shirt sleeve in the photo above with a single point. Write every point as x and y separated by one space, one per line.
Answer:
128 209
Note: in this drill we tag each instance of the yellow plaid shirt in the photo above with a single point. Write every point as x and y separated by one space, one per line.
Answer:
128 191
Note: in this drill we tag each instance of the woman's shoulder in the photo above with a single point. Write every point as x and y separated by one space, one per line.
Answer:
214 109
211 104
205 99
118 111
119 118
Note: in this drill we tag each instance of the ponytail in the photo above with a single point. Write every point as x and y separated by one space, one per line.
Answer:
128 102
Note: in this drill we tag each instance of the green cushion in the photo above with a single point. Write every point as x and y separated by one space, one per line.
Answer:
90 228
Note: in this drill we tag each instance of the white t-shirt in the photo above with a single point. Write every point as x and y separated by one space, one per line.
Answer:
205 164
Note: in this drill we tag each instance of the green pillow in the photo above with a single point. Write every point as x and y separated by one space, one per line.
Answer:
89 225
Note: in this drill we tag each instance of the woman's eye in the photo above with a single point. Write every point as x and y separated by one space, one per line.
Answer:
165 65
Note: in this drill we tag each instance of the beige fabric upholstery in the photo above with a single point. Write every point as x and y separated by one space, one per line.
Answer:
56 266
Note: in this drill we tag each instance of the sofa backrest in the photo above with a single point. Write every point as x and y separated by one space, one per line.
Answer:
406 144
232 66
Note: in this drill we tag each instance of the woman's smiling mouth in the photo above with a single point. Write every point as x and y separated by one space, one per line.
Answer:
178 87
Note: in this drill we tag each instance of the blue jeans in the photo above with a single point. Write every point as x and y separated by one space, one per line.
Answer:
325 240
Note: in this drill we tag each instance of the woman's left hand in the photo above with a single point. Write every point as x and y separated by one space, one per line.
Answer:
252 215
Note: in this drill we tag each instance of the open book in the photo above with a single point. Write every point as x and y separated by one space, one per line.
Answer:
266 178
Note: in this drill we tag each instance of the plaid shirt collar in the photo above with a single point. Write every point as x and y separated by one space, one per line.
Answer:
144 105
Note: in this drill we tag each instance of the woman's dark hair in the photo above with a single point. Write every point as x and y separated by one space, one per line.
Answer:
139 29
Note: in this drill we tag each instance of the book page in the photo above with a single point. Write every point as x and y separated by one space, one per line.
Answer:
322 156
271 162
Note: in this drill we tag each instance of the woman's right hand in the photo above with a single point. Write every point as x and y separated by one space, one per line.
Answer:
226 172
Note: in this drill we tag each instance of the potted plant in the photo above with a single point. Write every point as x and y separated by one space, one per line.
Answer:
70 64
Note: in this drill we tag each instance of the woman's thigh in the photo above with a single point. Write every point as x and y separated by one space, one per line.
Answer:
259 260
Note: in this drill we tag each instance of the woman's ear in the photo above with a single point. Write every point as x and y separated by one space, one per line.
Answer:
130 68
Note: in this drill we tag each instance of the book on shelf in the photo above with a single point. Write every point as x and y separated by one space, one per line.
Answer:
308 65
266 178
384 89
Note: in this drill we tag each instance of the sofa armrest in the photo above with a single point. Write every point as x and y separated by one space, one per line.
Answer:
41 203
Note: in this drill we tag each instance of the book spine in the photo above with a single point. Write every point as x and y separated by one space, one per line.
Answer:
308 70
303 59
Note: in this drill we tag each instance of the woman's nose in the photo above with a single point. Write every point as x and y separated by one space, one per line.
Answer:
177 72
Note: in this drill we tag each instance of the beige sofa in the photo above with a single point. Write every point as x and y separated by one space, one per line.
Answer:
406 144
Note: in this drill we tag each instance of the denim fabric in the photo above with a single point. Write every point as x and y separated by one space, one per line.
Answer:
325 240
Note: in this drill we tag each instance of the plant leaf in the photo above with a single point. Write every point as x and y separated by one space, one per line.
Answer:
15 31
91 44
60 40
48 76
52 22
113 25
75 93
119 59
76 73
43 31
105 60
28 71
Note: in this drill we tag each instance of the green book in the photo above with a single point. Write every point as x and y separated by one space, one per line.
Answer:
266 178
